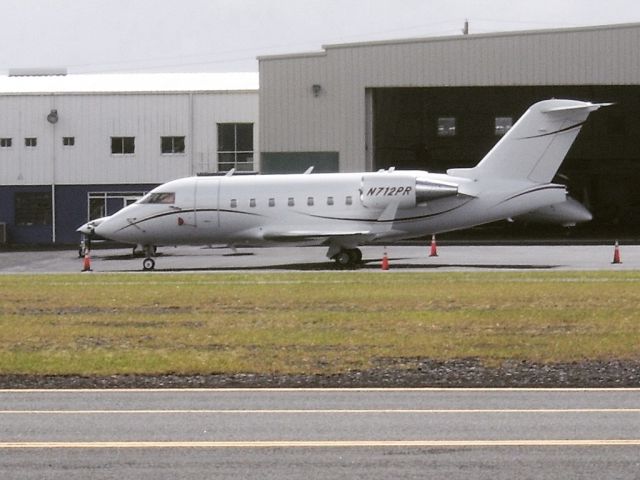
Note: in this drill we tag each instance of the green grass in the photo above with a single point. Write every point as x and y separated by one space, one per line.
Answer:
310 322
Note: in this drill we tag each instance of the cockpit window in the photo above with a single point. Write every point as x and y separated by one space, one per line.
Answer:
159 197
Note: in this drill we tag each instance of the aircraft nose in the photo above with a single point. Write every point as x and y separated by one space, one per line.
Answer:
107 229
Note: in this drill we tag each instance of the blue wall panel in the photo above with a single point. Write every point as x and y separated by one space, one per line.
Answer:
71 211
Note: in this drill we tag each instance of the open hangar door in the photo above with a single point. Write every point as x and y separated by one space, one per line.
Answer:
436 128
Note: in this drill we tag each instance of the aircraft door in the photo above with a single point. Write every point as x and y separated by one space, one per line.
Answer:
206 199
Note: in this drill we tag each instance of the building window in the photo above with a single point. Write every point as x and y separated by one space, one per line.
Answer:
446 126
123 145
172 144
235 147
102 204
5 142
33 208
272 202
503 124
30 142
68 141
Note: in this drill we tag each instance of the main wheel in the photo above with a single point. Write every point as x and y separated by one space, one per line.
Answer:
148 264
348 258
356 254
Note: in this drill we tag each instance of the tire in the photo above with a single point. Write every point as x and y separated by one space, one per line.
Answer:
148 264
348 258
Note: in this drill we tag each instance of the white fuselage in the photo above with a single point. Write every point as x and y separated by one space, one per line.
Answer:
311 208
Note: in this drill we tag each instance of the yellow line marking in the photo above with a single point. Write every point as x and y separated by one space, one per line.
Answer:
326 444
321 411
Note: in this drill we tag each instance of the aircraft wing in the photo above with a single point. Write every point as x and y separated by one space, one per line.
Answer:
303 235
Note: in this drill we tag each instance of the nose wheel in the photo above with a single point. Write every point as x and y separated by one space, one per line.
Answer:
149 263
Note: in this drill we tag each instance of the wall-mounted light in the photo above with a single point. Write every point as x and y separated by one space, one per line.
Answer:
316 89
53 116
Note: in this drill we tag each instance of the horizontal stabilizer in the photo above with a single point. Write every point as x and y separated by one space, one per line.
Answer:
591 107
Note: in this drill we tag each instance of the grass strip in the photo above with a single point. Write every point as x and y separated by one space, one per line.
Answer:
328 322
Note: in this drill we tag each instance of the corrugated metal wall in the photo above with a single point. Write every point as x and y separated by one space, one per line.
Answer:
293 119
92 119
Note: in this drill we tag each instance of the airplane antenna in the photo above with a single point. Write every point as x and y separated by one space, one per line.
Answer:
309 170
230 172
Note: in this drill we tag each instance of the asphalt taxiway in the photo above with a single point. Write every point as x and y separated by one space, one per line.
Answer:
269 434
401 258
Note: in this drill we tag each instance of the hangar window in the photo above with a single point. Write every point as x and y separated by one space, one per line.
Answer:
503 124
5 142
33 208
68 141
102 204
123 145
446 126
30 142
235 147
172 144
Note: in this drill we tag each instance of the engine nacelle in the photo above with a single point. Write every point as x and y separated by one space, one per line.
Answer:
381 189
427 190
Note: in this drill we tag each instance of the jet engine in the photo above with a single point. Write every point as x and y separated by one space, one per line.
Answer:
381 189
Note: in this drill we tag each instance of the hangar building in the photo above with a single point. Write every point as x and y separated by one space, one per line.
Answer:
76 148
436 103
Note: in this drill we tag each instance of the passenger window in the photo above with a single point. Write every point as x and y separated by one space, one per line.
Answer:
310 201
272 202
348 200
252 202
234 203
329 200
291 202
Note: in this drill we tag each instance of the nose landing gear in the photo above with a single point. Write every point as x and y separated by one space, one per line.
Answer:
149 263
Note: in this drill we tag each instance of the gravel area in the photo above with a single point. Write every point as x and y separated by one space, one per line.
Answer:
389 373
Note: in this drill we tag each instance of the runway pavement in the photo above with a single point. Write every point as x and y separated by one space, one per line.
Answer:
401 258
269 434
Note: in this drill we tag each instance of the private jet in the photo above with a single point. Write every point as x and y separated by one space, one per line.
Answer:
343 211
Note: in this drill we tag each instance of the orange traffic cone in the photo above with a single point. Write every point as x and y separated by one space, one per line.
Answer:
434 247
86 266
616 253
385 261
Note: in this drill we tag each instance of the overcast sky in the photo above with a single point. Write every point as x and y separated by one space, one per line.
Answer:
109 36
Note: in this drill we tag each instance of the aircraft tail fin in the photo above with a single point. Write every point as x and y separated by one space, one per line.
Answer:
536 145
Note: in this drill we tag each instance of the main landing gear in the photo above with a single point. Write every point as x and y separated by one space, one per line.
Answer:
348 258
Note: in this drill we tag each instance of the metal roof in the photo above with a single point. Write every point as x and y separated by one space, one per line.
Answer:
130 83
